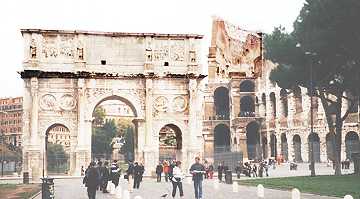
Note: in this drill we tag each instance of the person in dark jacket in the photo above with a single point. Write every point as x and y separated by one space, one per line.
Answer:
130 175
105 176
159 170
91 180
220 171
138 172
197 170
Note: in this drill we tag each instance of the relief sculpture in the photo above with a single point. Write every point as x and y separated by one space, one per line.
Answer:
67 102
161 104
179 104
48 102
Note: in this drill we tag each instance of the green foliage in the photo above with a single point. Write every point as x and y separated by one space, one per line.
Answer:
99 116
57 158
128 147
102 137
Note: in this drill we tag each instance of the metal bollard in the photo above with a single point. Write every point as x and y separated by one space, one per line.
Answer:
295 194
260 191
348 197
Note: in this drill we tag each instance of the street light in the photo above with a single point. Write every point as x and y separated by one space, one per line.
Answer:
312 159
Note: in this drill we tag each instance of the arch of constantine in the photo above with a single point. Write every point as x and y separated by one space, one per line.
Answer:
68 73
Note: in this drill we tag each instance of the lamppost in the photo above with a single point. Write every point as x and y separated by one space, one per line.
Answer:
312 159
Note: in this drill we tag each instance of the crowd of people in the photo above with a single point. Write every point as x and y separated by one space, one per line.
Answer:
98 175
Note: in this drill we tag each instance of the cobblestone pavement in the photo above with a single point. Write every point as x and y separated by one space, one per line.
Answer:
149 189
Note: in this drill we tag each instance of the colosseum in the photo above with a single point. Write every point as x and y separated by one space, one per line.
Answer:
245 111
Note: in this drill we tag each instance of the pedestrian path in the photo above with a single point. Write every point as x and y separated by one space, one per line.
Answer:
150 189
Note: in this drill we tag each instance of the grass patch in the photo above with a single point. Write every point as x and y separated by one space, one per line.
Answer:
19 191
338 186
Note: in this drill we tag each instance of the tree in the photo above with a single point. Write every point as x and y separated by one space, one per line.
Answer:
99 116
128 147
325 43
102 137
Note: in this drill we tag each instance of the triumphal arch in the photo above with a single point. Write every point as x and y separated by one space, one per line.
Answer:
68 73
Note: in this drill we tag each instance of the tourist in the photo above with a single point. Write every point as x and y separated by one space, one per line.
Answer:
99 166
211 171
166 169
159 170
130 176
220 171
138 172
177 179
197 170
266 169
105 176
254 170
115 173
206 164
91 180
238 169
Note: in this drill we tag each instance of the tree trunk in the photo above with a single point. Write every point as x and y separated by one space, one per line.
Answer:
337 137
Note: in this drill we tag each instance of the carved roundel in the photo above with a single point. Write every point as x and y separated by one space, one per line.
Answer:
48 102
67 102
179 103
161 104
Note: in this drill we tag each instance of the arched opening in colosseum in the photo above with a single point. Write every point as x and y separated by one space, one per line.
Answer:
247 86
247 107
257 105
352 144
114 135
170 142
298 99
253 140
353 108
273 145
314 146
221 101
264 146
273 104
330 146
221 138
297 148
284 146
57 147
284 103
263 102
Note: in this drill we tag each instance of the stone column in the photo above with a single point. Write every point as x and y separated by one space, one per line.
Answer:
83 147
150 151
305 150
290 144
193 147
35 150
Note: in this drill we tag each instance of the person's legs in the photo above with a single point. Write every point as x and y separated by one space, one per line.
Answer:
181 189
131 183
166 177
91 192
104 187
196 185
174 189
200 188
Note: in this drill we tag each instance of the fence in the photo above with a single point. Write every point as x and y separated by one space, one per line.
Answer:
222 154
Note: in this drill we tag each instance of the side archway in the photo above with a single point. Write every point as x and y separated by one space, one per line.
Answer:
352 144
253 140
297 148
221 138
170 142
314 146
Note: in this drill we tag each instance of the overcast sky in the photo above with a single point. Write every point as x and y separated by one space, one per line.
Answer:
160 16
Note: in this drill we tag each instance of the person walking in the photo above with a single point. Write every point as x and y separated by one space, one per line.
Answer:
105 177
211 171
254 170
220 171
91 180
166 168
177 178
197 170
159 170
130 175
115 173
138 172
99 168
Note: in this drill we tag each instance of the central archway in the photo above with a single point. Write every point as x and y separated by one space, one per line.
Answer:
114 135
273 145
170 143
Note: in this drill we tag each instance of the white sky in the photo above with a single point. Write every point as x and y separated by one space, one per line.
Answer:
161 16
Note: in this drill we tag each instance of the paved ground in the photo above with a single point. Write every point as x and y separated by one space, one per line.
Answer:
73 189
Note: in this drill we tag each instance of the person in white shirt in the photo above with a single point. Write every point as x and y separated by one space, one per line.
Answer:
176 179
